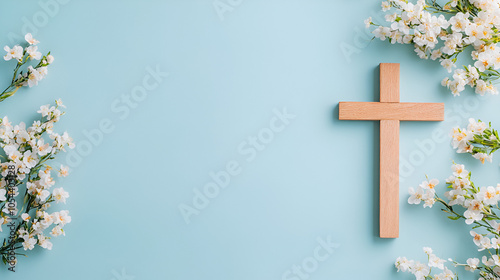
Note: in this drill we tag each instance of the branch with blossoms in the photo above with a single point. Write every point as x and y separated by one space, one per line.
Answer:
443 32
477 139
33 73
477 207
424 270
28 151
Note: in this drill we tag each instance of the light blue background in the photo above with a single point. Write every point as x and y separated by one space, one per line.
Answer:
316 178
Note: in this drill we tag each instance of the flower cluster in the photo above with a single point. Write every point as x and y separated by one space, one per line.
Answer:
478 139
27 152
425 192
479 208
468 23
33 74
423 270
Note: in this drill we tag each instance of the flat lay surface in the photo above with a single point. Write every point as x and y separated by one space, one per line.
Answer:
212 147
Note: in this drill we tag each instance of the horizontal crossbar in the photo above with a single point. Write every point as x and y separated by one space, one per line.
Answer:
391 111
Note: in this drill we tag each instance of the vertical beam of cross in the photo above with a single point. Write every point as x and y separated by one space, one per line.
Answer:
389 111
389 155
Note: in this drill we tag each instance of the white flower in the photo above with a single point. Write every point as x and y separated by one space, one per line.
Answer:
67 140
473 73
44 110
50 59
44 242
488 195
31 187
63 172
26 217
429 202
390 18
30 159
434 261
456 197
382 32
416 196
45 179
3 192
459 22
472 216
29 38
386 6
476 127
481 87
42 148
420 270
368 22
496 259
457 86
42 71
421 52
459 170
60 103
15 53
494 224
412 12
460 139
477 238
45 219
33 76
23 233
446 82
396 37
429 185
493 261
402 264
22 137
474 205
485 244
33 52
435 55
488 262
60 195
482 64
29 243
61 218
475 32
42 194
403 28
448 64
472 264
483 157
446 275
452 42
57 230
427 250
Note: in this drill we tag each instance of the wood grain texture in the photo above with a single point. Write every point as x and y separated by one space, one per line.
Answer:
391 111
389 179
389 155
389 82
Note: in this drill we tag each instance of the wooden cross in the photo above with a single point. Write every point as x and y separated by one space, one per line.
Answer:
390 111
